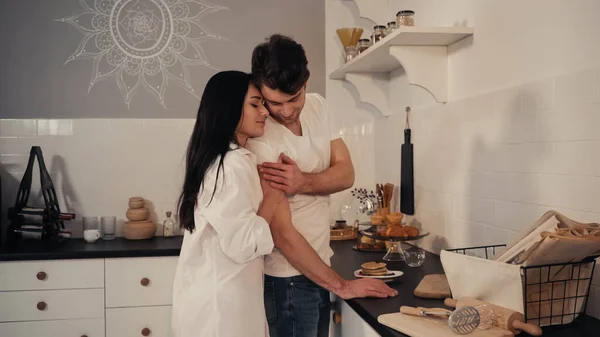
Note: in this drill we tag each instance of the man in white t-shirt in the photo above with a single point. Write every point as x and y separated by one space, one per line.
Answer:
302 154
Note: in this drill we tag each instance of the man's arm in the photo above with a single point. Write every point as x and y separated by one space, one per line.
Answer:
303 257
287 177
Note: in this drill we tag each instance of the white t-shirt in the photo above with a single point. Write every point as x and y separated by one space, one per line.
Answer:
312 154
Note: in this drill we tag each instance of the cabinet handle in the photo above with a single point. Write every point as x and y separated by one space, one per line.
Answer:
337 318
146 332
42 306
41 276
145 282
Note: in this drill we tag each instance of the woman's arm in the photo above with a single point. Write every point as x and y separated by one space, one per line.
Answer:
243 232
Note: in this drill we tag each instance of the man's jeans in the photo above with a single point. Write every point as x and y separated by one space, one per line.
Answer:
296 307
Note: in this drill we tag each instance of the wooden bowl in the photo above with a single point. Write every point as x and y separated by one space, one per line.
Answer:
137 214
139 230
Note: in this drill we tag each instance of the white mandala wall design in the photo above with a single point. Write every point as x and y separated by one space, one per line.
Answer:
143 43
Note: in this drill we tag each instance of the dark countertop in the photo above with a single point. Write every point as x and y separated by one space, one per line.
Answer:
79 249
344 261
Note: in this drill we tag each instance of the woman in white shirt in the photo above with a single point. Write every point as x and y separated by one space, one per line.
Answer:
225 209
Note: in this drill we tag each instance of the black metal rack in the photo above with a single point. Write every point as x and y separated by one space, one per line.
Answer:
553 294
43 223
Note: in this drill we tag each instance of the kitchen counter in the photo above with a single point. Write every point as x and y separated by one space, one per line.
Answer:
79 249
346 260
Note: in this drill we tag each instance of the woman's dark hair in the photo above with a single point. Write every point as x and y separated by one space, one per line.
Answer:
280 63
218 116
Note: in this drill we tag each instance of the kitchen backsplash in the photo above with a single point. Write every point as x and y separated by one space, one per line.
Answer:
489 165
97 164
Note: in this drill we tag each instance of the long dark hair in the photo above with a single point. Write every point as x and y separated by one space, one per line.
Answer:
218 116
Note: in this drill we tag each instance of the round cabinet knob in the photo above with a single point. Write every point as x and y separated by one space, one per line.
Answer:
41 276
337 318
146 332
42 306
145 282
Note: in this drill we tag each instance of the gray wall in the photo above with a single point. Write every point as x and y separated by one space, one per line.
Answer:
37 82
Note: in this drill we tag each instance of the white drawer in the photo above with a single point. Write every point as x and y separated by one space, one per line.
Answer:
61 328
139 321
51 304
56 274
125 279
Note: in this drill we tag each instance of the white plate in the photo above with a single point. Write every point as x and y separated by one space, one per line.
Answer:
391 274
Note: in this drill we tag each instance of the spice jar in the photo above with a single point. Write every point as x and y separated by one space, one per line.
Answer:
391 27
168 226
405 18
363 44
378 33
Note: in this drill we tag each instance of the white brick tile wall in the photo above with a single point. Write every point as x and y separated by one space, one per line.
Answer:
537 96
571 124
573 158
495 236
596 279
573 90
474 209
507 157
515 216
97 164
593 305
596 97
520 128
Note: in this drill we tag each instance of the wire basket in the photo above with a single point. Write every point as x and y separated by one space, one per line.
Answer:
553 294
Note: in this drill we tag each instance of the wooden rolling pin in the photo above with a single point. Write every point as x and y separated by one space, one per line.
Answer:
505 318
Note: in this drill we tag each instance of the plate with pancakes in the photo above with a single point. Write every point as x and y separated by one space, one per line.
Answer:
377 270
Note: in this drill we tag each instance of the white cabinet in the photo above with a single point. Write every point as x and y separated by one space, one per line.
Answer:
42 305
138 296
59 328
139 281
138 321
57 274
351 325
66 298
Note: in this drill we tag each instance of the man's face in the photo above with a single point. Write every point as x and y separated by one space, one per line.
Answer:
283 107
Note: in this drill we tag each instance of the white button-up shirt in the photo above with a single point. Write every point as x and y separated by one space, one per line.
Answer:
218 286
312 153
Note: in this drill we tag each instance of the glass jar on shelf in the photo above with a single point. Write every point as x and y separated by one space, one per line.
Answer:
378 33
363 44
391 27
405 18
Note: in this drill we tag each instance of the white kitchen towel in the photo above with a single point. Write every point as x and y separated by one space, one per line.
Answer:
491 281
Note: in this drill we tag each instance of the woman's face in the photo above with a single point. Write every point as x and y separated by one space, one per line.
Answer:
254 113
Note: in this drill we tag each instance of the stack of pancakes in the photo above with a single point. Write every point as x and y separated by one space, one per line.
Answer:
374 269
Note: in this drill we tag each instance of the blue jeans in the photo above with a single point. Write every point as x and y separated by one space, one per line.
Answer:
296 307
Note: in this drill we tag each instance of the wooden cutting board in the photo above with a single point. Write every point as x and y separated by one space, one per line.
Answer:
433 286
431 327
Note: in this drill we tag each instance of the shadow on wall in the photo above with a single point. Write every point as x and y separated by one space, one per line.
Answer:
500 165
69 201
8 188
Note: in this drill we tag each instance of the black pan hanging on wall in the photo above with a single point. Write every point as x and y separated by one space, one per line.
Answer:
407 183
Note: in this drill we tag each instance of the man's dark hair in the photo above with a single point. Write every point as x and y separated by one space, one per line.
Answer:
280 64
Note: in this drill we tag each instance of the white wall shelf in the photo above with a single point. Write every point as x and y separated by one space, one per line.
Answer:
421 51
